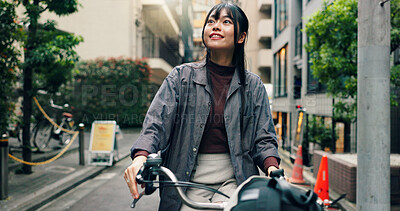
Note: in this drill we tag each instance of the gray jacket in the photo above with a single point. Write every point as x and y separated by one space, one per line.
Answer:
177 116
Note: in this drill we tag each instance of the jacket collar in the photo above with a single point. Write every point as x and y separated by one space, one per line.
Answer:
200 77
200 73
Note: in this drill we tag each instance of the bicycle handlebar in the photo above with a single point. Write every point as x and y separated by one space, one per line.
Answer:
58 106
185 199
152 168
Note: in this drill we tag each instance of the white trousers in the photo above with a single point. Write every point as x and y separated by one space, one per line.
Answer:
215 171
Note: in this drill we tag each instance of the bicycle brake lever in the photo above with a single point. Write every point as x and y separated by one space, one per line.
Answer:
133 204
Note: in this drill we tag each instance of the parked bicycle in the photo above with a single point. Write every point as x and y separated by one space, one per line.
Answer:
43 131
46 131
273 193
16 131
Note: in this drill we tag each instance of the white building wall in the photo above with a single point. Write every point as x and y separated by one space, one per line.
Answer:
107 26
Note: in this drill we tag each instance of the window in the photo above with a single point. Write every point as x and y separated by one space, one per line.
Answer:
313 85
281 18
280 73
298 40
149 43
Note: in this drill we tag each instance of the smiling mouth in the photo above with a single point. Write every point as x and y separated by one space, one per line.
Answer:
216 36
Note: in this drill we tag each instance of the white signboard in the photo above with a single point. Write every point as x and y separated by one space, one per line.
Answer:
102 142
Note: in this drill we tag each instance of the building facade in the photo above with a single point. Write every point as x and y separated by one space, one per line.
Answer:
200 10
297 94
258 46
133 28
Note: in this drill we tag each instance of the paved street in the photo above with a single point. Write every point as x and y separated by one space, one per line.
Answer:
107 191
28 192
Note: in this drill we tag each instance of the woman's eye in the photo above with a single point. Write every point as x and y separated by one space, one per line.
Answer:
210 21
227 21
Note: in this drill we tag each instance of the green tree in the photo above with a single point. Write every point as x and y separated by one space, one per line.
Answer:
332 48
49 56
10 32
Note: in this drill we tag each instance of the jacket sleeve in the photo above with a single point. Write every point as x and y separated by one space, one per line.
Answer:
266 144
160 117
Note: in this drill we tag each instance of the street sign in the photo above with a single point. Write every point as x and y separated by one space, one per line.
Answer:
102 143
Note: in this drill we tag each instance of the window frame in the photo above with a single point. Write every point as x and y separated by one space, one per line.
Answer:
281 72
281 16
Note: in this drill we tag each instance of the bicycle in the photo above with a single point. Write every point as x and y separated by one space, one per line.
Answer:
16 131
41 130
246 196
45 131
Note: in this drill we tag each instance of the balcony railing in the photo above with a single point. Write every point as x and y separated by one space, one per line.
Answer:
155 48
159 18
168 54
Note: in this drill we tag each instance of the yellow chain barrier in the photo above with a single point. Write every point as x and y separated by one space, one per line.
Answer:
61 152
51 159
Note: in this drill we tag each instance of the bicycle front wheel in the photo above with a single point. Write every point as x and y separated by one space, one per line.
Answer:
42 134
65 137
19 134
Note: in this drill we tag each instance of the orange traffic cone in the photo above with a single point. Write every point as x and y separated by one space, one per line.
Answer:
322 185
297 174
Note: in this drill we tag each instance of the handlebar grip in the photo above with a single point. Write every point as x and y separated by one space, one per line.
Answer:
139 177
149 186
146 176
277 173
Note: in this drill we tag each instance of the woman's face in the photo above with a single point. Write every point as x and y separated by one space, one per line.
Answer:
219 34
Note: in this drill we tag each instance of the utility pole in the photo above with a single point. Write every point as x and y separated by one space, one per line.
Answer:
373 105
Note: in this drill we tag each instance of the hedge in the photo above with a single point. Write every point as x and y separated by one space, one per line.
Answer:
111 89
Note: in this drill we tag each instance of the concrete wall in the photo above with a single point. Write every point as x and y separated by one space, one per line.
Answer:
107 26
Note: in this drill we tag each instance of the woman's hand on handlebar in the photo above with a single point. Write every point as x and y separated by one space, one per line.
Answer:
131 172
273 168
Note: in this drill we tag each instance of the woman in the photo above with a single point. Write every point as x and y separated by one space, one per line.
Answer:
211 119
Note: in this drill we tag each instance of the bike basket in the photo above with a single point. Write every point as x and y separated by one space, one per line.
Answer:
262 193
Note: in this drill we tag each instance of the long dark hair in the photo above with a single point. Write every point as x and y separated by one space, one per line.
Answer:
239 18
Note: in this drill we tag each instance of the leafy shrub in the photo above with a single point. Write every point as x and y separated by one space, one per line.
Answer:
111 89
318 132
10 32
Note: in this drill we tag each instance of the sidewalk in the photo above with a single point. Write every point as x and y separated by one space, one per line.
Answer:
309 178
29 192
